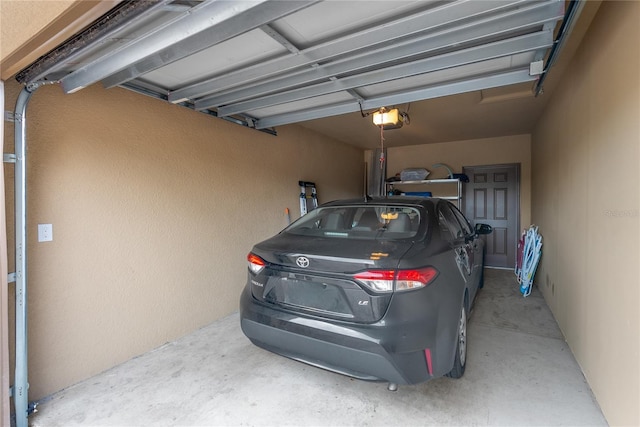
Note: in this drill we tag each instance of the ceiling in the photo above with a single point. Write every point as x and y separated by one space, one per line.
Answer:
460 69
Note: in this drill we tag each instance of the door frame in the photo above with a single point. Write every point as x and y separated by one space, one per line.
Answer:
518 167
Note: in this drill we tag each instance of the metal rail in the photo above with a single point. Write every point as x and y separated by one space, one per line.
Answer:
21 383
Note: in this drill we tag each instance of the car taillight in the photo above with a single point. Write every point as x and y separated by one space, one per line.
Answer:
383 280
377 280
412 279
256 264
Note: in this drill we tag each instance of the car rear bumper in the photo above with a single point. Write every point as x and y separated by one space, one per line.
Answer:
324 354
384 350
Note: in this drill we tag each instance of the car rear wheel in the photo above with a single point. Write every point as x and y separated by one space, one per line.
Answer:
460 360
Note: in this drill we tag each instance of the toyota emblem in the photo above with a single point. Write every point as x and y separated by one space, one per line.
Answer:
302 261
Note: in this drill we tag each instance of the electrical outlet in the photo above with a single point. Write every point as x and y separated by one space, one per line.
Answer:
45 232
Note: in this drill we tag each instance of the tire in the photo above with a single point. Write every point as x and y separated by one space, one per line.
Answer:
460 360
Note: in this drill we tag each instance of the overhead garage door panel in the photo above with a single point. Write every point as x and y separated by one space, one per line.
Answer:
222 58
267 63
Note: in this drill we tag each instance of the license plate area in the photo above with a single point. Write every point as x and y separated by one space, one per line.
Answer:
317 294
330 297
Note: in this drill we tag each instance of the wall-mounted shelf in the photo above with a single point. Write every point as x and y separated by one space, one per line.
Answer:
445 181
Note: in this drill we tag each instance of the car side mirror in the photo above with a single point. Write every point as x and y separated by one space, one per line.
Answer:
483 229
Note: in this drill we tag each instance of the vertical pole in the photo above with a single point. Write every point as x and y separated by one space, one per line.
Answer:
21 385
365 186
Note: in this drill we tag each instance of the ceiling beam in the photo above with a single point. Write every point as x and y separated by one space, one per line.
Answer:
527 43
355 95
487 28
274 34
214 22
430 19
436 91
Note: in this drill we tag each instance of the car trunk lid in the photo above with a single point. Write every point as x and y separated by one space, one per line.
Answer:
317 278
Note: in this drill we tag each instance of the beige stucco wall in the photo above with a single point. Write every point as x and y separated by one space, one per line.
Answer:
27 18
487 151
154 208
585 152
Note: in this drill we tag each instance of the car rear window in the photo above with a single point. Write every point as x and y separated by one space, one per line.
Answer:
359 222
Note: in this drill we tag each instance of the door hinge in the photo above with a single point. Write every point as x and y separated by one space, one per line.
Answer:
9 158
11 277
9 116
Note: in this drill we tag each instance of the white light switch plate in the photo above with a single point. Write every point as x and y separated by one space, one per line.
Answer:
45 232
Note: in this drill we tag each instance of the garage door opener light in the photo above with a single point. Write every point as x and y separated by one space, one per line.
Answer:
388 119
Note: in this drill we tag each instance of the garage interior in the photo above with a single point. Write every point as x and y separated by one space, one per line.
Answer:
154 204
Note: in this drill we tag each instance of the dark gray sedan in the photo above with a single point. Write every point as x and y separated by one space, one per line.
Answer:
377 289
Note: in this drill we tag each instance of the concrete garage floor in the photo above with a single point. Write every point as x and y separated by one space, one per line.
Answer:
519 372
